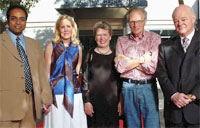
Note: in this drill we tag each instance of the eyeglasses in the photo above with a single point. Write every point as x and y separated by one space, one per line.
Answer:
136 22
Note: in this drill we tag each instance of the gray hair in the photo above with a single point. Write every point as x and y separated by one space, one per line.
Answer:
135 9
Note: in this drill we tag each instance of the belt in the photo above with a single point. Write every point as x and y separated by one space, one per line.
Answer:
138 82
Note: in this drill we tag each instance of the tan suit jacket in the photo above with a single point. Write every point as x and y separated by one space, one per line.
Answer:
12 84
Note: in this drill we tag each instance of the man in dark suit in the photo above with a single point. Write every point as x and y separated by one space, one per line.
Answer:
178 71
23 79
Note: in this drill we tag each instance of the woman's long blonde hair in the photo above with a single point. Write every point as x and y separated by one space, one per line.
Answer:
75 41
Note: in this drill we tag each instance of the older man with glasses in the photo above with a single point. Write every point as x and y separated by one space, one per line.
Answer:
136 60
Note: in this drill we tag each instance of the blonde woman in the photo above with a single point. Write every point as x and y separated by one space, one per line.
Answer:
63 62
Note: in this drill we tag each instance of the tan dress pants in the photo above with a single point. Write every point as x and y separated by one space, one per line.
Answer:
29 119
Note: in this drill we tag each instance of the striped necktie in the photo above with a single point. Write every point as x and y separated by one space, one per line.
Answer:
27 71
185 44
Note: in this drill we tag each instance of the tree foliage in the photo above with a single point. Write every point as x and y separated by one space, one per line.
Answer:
4 4
181 2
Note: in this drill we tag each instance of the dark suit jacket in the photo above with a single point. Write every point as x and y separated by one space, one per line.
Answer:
12 83
180 72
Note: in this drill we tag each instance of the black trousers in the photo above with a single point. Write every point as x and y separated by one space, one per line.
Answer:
183 124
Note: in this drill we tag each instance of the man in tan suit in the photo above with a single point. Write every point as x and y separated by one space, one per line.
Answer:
21 96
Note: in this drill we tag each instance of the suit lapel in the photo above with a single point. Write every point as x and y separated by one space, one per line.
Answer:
178 48
7 42
30 51
194 45
192 52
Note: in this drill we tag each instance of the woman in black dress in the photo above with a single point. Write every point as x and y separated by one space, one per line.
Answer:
100 81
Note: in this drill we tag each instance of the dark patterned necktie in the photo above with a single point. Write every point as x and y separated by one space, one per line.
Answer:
185 44
27 71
